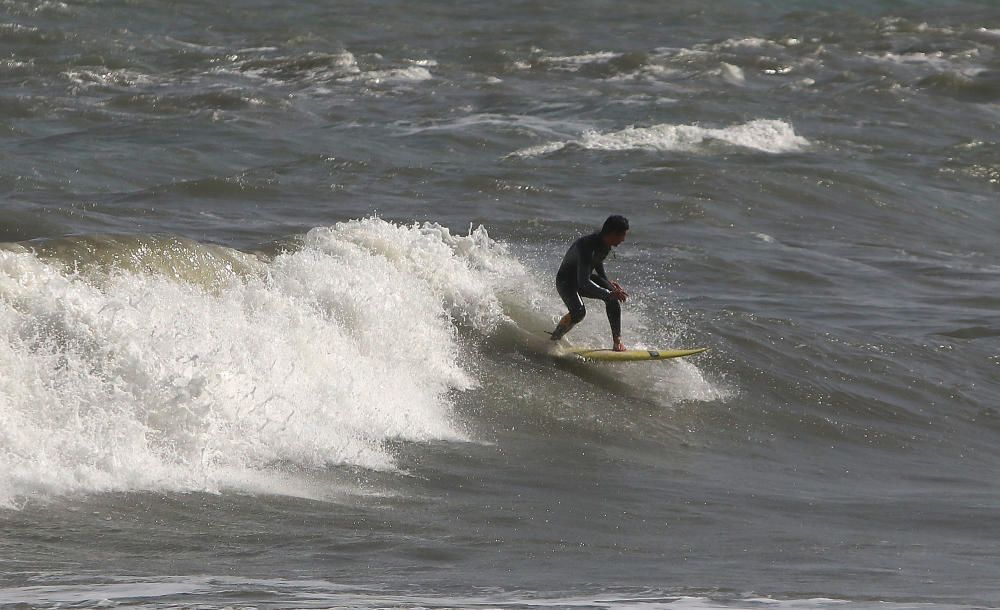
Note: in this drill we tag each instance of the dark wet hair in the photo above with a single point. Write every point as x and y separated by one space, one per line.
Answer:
615 224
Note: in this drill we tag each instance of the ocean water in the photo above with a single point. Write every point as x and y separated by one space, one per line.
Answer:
274 278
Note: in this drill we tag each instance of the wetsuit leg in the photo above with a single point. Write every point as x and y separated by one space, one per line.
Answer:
615 317
577 310
573 302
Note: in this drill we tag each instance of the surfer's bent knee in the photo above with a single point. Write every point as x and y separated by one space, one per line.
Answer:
574 304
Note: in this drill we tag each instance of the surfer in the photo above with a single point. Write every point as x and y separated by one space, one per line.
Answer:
581 274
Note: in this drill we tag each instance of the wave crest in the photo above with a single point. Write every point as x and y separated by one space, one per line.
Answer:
769 136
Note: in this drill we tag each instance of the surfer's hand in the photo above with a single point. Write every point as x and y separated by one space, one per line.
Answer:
618 293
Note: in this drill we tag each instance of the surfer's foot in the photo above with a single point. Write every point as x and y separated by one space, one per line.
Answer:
619 346
562 328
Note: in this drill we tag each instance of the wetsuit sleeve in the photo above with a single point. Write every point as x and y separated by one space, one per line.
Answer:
585 285
600 277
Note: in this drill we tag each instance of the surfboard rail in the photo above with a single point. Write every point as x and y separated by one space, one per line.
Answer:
632 355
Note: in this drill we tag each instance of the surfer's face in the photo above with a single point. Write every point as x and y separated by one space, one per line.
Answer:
613 239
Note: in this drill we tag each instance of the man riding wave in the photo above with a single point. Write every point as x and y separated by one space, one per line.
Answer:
582 274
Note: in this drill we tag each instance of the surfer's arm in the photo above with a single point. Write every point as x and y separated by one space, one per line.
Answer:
601 279
586 285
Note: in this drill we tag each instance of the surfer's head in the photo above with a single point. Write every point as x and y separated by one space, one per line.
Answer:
614 230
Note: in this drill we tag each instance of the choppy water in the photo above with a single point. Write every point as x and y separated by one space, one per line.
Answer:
273 277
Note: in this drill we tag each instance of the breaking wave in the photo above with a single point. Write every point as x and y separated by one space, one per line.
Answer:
768 136
154 362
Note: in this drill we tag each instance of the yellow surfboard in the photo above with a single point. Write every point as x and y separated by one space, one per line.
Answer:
631 355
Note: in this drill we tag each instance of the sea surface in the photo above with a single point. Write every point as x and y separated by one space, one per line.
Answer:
275 276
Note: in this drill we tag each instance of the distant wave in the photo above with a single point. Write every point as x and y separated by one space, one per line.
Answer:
603 64
769 136
336 67
397 75
308 67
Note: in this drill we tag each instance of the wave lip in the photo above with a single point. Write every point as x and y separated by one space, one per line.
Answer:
762 135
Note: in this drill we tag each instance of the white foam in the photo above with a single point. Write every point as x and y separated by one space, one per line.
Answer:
106 77
540 150
113 591
751 42
642 100
17 28
12 65
936 59
312 67
412 74
733 74
142 382
573 63
48 6
769 136
939 61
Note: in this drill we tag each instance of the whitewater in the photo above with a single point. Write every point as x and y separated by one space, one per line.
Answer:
132 380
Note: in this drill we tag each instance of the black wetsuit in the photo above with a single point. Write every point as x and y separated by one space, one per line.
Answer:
582 274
